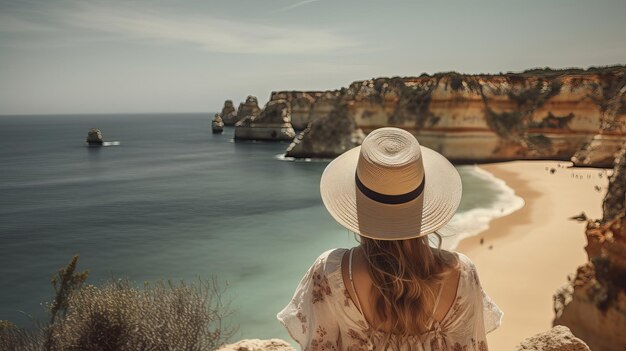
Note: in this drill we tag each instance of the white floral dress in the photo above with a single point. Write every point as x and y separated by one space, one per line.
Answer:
322 316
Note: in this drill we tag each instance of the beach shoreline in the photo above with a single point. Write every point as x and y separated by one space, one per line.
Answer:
525 256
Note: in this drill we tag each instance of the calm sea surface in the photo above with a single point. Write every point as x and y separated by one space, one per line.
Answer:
171 201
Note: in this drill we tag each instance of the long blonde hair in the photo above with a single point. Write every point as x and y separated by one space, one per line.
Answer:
405 276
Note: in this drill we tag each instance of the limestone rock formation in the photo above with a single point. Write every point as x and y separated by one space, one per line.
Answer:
250 108
615 199
274 123
336 128
537 114
94 137
559 338
301 103
593 303
229 115
217 125
258 345
602 147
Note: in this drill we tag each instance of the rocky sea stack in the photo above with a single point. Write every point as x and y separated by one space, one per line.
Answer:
229 115
274 123
249 108
94 137
217 125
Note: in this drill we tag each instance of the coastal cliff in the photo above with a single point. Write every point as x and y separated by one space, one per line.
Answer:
273 123
537 114
300 103
593 303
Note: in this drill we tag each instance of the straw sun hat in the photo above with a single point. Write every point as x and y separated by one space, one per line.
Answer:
391 187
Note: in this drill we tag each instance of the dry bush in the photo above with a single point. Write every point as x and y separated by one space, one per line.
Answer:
160 316
13 338
120 316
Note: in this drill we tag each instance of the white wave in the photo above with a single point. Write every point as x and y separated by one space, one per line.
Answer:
282 157
476 220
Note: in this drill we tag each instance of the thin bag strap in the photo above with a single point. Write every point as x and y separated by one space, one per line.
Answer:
356 297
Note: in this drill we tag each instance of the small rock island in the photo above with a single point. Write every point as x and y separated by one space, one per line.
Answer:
94 137
217 125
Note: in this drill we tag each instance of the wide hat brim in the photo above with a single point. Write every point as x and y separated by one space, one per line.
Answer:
422 216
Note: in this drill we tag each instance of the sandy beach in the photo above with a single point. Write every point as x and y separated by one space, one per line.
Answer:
526 256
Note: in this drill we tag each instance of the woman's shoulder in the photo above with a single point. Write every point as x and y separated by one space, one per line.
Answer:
468 274
329 261
464 262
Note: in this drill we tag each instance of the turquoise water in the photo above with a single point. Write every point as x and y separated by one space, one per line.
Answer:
171 201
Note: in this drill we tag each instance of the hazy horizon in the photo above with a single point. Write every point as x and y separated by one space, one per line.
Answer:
165 56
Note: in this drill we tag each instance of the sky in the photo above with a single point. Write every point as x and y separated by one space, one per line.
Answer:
161 56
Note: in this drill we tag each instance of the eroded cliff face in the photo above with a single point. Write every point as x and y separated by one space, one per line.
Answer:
330 111
593 303
300 103
478 118
273 123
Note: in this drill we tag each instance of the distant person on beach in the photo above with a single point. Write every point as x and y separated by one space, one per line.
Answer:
393 291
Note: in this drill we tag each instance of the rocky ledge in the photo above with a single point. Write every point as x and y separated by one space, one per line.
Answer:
258 345
273 123
593 303
537 114
558 338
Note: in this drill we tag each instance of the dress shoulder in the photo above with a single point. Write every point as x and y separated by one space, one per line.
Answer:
472 292
309 317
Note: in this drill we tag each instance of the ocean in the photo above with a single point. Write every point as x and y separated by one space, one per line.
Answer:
174 201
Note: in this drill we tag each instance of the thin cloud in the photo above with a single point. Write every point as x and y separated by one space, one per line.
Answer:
14 24
200 30
293 6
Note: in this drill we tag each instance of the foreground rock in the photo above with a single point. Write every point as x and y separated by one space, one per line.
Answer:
593 303
258 345
274 124
537 114
229 115
94 137
559 338
217 125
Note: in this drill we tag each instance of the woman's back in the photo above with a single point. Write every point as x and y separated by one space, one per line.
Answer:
362 289
323 315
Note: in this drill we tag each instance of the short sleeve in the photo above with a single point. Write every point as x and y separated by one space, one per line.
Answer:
491 313
309 316
473 314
